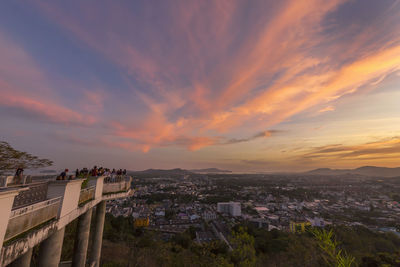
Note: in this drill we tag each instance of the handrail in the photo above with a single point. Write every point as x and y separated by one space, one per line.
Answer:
86 194
88 188
33 207
34 193
27 185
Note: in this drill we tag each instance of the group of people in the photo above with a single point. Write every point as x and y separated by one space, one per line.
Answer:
111 175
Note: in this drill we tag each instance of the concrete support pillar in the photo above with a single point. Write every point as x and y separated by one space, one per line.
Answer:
24 260
98 234
50 249
82 239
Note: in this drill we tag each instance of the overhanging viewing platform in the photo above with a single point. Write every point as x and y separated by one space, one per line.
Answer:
38 212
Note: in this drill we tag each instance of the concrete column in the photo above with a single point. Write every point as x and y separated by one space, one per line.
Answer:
50 249
98 182
24 260
82 239
98 234
6 202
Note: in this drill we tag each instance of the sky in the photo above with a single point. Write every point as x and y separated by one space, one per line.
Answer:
256 85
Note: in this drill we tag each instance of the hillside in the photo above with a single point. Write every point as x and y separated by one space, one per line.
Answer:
365 170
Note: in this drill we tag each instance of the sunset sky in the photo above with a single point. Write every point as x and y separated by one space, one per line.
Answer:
240 85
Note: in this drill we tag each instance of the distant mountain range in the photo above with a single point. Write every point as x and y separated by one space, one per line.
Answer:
365 170
211 170
162 171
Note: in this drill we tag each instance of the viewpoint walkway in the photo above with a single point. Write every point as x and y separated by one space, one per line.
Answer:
36 213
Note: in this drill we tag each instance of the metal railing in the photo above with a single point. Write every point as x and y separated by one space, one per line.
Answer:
35 193
115 179
86 194
24 219
122 185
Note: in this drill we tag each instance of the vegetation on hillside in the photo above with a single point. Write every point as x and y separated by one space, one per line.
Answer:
124 245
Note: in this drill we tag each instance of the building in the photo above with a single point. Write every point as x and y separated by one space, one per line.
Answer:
231 208
299 227
209 215
316 222
142 222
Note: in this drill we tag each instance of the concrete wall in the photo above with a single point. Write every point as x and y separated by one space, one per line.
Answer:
69 191
86 194
116 187
5 180
98 183
18 247
6 202
24 221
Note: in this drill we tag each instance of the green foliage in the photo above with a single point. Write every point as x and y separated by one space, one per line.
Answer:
169 214
244 253
11 159
119 228
123 245
85 183
332 254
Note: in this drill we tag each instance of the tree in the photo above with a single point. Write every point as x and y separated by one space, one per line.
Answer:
11 159
244 253
332 254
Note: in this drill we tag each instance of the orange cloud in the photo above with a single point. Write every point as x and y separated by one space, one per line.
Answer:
382 149
326 109
205 85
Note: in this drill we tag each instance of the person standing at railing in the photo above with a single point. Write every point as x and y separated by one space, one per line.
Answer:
107 174
63 175
113 173
18 175
94 171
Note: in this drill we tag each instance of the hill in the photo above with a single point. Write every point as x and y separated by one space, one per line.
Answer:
211 170
365 170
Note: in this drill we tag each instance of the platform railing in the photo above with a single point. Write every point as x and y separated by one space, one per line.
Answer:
121 185
26 218
86 194
34 193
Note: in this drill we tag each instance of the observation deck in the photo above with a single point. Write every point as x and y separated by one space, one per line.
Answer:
36 213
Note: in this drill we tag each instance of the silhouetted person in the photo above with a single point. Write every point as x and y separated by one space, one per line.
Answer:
63 175
94 171
18 175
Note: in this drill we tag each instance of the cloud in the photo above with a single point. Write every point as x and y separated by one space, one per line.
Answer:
258 162
209 68
326 109
263 134
45 111
25 90
386 148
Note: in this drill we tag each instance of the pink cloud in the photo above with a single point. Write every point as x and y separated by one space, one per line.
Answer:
45 110
235 90
25 87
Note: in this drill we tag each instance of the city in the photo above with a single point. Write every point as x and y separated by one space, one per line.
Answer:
200 133
211 205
